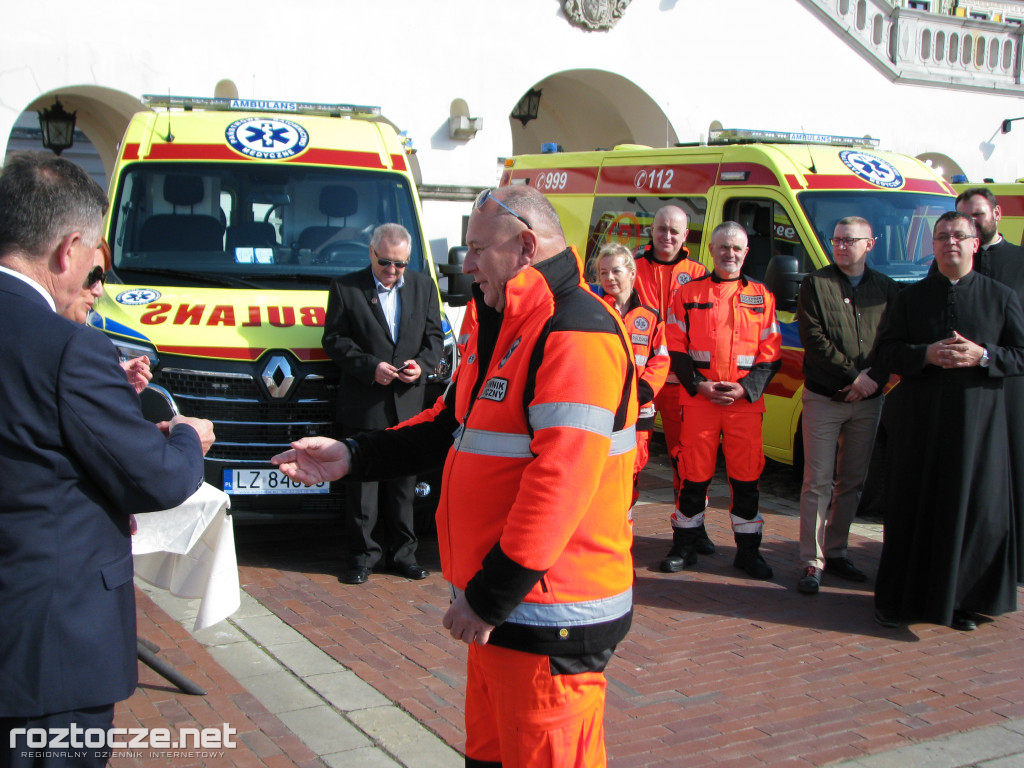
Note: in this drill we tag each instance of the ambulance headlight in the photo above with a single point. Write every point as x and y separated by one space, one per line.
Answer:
128 350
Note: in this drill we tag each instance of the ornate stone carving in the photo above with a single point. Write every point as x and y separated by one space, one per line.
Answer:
595 14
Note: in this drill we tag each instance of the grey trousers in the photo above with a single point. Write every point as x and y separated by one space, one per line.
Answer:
838 438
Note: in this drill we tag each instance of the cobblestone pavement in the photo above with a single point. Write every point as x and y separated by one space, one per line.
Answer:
718 670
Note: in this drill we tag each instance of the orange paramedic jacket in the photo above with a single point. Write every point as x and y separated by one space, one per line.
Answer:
646 334
540 427
657 282
756 348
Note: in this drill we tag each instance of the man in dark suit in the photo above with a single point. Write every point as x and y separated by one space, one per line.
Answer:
76 458
383 329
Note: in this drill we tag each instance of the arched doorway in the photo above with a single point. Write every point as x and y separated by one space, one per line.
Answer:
585 109
944 165
102 115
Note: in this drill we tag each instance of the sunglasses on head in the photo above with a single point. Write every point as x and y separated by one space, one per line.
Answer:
97 275
486 195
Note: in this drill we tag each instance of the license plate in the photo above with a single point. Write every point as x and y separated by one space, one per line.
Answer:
261 482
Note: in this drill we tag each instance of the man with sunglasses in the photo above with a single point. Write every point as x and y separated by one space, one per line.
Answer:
137 369
77 458
839 311
953 338
383 329
539 429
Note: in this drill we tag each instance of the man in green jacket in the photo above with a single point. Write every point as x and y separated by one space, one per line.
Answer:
839 311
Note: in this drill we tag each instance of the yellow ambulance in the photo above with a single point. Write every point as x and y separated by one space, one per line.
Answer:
787 189
1011 202
228 220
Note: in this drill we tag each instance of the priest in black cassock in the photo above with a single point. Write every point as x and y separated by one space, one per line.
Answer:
950 549
1001 260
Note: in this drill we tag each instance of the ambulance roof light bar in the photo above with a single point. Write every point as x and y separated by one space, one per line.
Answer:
753 136
257 105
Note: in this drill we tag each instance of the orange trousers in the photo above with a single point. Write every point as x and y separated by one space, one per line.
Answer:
520 715
667 403
643 453
736 427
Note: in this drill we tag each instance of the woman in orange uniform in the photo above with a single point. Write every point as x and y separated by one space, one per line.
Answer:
616 273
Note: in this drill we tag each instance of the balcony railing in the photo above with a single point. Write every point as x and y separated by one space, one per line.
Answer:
918 47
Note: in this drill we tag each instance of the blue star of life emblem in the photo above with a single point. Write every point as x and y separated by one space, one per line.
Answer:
267 138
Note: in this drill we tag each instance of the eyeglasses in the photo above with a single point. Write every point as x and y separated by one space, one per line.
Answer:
97 275
950 237
486 195
390 263
846 242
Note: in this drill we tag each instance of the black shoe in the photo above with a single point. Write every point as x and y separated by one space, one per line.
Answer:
705 546
411 571
679 557
357 575
964 621
750 562
810 581
844 569
889 620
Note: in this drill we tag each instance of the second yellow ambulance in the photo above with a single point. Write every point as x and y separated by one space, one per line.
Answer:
787 189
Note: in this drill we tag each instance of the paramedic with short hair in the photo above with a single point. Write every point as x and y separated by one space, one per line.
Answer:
725 347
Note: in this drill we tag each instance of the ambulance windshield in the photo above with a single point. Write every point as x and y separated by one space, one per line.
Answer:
252 225
902 223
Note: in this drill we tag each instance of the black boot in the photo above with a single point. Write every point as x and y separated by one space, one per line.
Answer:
748 557
692 501
684 551
704 545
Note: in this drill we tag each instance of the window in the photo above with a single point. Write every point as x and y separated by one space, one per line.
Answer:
233 223
770 232
901 221
919 5
628 220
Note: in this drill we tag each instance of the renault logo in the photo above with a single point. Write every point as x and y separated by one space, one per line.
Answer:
277 376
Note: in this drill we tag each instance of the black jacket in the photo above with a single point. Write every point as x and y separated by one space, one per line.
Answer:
838 324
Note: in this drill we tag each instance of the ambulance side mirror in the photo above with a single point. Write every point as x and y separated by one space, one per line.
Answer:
457 288
783 278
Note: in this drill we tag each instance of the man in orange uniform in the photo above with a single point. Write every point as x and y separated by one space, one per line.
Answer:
539 428
661 267
725 347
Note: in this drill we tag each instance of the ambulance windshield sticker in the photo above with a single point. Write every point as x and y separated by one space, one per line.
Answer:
138 296
267 138
873 170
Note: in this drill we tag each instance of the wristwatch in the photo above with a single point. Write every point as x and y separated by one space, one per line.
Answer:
984 359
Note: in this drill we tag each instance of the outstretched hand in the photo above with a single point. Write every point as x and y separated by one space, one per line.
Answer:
313 460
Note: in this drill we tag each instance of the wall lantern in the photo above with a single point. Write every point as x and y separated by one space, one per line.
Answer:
58 128
528 106
1007 124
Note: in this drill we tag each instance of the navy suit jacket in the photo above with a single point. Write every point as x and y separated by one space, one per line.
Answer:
356 337
76 458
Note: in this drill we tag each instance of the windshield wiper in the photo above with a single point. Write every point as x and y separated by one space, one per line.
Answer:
205 277
293 277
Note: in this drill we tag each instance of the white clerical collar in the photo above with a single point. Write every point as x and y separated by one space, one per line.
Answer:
33 283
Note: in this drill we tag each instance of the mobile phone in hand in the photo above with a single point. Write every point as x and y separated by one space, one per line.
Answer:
405 367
